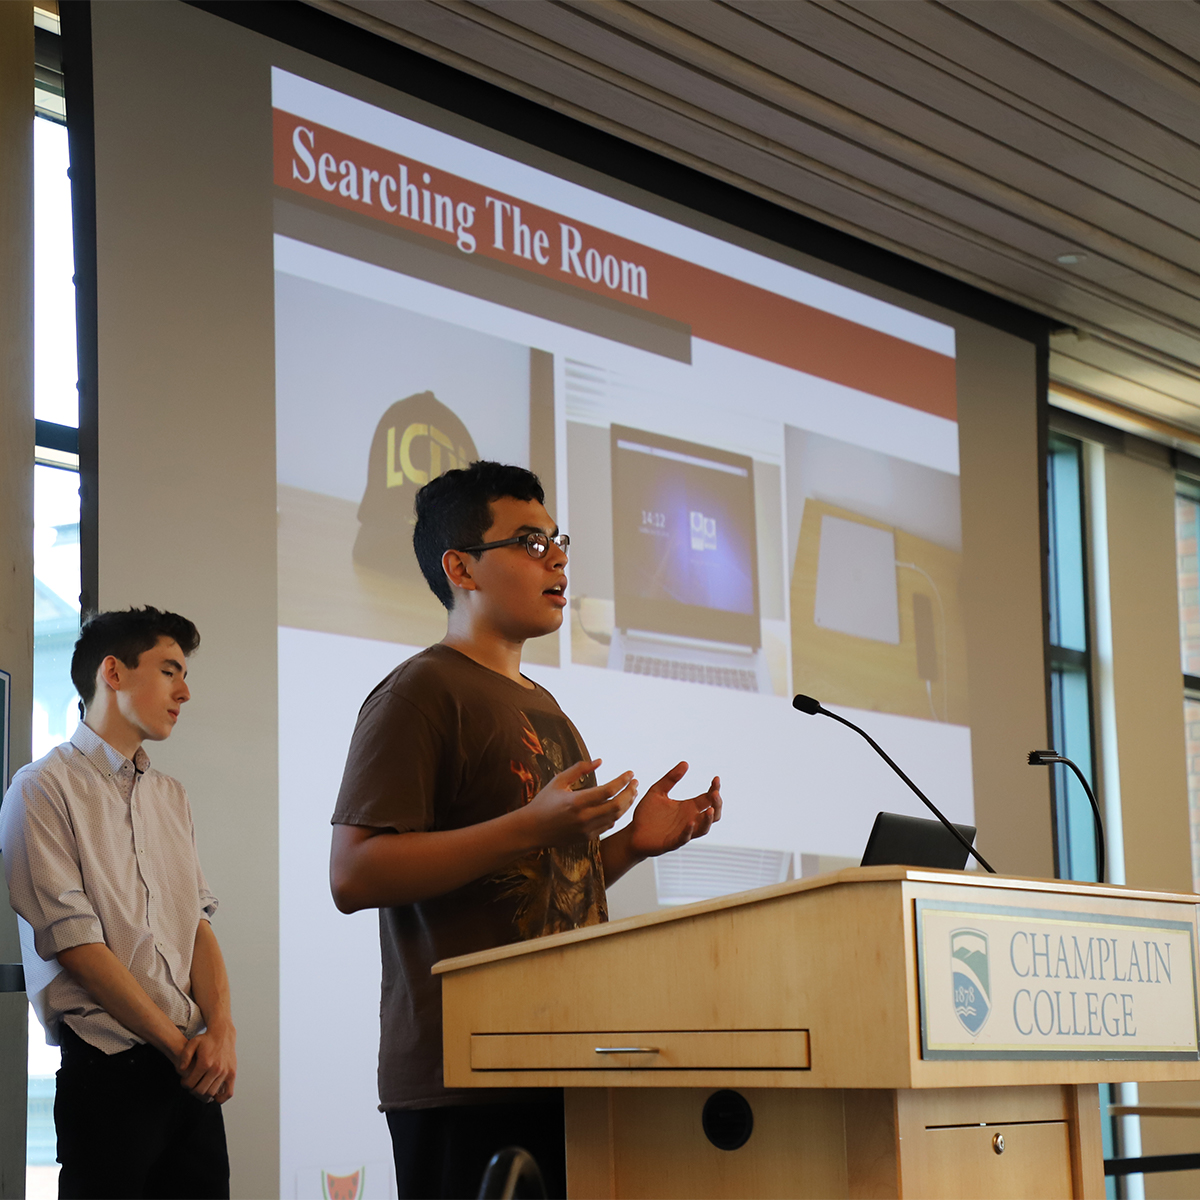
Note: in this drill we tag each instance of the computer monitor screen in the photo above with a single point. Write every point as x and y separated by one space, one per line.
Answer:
684 553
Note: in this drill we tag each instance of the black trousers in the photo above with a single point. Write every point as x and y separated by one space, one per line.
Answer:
127 1128
442 1153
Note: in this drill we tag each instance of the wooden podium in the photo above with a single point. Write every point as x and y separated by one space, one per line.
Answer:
888 1032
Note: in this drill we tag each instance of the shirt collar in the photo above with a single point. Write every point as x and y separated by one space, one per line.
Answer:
102 756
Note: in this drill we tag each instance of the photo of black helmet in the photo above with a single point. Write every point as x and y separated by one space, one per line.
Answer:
417 439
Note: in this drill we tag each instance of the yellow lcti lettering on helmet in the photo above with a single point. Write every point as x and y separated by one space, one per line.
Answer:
438 441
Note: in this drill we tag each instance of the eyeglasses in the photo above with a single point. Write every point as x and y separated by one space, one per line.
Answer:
536 544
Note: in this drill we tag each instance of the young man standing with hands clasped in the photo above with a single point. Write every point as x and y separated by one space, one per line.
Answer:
470 815
121 962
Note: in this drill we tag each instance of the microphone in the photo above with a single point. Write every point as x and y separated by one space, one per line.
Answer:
1047 758
806 704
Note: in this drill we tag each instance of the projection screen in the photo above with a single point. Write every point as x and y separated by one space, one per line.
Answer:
315 292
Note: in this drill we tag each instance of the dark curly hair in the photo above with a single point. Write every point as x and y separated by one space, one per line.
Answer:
454 510
125 635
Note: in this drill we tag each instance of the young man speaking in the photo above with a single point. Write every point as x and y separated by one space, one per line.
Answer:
470 815
120 959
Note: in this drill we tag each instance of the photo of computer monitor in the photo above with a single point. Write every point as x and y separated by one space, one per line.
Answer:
685 556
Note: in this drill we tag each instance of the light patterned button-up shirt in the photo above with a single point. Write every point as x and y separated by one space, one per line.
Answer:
101 849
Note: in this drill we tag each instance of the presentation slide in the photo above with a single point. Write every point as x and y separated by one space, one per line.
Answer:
758 469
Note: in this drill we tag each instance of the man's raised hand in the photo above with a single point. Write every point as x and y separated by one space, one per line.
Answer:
661 824
559 814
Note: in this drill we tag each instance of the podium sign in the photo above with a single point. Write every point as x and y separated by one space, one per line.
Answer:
999 982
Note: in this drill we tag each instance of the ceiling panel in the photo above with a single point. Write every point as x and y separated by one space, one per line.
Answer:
1171 24
953 110
985 138
997 67
1066 40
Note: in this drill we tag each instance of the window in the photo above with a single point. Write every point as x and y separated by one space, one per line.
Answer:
1070 661
56 398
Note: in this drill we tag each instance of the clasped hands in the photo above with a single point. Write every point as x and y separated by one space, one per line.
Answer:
207 1065
562 812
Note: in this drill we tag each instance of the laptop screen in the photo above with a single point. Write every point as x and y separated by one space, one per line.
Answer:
685 555
915 842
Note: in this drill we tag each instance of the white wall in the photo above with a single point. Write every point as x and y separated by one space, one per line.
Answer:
1147 676
998 445
187 466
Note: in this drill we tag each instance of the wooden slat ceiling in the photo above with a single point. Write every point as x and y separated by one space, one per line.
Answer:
1046 152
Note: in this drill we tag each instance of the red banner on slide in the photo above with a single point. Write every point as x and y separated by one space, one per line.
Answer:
330 166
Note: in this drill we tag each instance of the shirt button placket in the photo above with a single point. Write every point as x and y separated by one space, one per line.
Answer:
135 818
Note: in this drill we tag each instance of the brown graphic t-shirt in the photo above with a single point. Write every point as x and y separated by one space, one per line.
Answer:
443 743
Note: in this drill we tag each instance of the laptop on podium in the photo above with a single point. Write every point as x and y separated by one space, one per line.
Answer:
897 840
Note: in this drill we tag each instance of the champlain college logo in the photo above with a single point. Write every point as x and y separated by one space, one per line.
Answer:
972 992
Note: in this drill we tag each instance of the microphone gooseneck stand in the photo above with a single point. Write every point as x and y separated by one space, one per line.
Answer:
806 704
1047 758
